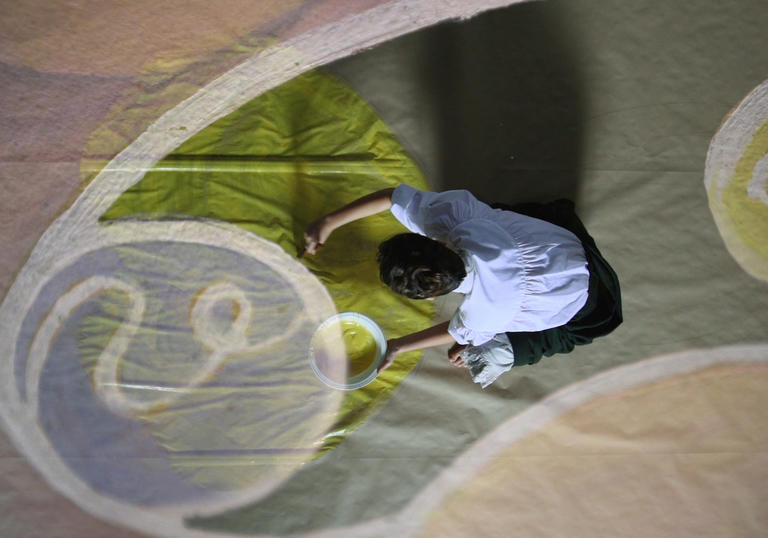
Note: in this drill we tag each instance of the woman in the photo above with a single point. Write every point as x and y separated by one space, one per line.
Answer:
533 281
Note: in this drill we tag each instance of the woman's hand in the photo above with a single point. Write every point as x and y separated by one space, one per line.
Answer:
393 350
316 234
367 205
454 354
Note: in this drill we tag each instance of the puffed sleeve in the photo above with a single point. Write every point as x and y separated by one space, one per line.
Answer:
433 214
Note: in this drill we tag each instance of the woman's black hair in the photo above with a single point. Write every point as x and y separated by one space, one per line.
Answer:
419 267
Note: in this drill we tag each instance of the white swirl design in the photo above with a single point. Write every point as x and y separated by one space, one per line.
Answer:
106 380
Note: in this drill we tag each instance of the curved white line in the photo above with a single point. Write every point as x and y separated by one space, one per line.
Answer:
737 130
107 385
757 189
234 340
62 309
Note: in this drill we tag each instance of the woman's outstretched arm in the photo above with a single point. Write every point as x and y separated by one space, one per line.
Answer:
434 336
370 204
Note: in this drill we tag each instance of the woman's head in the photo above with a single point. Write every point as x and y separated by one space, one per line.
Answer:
419 267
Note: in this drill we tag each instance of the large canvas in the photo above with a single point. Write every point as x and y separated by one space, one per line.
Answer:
160 162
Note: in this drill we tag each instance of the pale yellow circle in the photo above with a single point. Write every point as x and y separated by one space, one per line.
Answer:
680 456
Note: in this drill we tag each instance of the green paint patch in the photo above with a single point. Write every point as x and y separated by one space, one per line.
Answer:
277 163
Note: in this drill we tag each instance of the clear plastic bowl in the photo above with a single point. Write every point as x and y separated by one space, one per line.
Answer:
363 378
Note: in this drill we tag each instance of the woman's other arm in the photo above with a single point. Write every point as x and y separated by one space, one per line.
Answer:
434 336
318 231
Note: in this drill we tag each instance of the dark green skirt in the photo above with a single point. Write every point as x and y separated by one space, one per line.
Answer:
599 316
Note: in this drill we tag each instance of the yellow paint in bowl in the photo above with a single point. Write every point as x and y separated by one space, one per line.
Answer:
350 337
360 346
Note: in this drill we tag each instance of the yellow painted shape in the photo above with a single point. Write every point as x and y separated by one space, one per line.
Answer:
749 217
741 220
271 167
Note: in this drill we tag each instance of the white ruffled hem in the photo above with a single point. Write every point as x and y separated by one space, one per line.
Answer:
488 361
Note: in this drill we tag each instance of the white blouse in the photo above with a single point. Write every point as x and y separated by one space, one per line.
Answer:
523 274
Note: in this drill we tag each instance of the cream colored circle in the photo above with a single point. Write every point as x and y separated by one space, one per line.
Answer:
20 415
